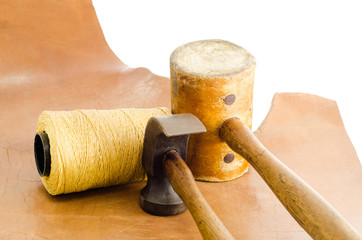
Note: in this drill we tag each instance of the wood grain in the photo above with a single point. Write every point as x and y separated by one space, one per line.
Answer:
213 95
318 218
185 186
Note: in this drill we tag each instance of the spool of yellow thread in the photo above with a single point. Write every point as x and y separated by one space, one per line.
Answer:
84 149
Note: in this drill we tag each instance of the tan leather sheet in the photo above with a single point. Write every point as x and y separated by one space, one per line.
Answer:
53 56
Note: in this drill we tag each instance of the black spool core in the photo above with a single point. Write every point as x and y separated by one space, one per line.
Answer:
42 153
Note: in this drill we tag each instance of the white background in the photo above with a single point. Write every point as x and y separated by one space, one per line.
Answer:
299 46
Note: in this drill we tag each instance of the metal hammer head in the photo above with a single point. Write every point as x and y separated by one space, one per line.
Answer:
165 133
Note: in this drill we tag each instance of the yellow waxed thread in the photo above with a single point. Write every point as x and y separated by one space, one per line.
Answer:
94 148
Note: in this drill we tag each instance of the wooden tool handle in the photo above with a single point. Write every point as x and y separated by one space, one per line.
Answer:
184 185
318 218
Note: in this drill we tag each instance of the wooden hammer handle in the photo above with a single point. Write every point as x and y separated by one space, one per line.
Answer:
318 218
183 183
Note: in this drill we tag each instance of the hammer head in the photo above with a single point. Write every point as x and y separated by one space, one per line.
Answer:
165 133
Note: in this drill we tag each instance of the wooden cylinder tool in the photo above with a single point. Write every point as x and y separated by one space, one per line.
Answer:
204 75
213 80
318 218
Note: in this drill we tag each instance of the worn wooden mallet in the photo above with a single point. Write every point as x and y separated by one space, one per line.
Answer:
213 80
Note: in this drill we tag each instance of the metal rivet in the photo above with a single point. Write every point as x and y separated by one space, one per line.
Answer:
230 99
229 157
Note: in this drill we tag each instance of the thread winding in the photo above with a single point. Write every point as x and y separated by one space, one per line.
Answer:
94 148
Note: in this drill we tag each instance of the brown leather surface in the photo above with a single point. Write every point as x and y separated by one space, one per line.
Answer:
53 56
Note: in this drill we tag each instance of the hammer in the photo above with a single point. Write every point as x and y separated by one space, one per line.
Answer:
170 183
213 79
